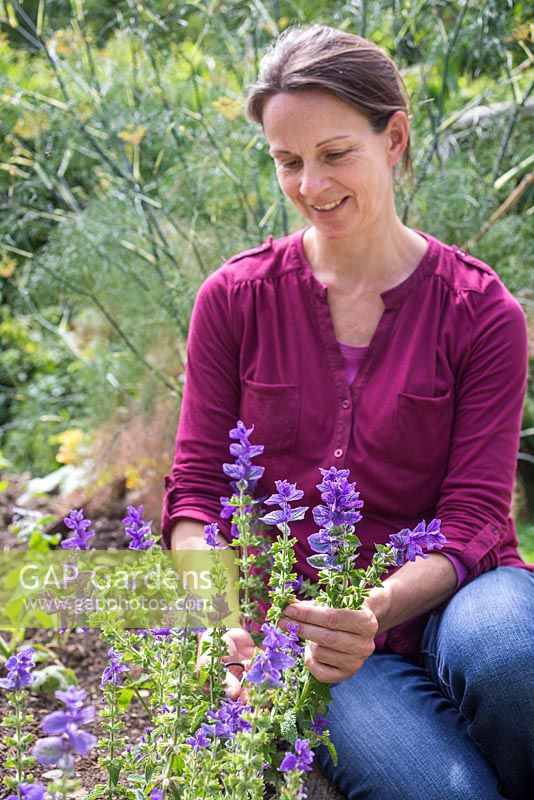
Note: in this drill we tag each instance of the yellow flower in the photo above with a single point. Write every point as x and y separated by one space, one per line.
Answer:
30 124
133 478
7 267
230 109
69 442
132 135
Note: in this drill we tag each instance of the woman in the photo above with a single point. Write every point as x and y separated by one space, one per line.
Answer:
362 343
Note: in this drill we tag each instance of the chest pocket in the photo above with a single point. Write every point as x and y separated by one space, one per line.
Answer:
273 409
422 431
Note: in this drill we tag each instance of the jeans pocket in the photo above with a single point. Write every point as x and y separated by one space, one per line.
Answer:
273 409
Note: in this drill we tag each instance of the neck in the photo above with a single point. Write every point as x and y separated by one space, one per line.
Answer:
380 257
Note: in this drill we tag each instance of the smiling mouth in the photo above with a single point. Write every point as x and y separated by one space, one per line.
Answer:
329 206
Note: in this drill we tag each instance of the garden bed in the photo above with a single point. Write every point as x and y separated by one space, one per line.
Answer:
86 654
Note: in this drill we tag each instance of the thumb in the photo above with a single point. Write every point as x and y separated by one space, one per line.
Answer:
232 686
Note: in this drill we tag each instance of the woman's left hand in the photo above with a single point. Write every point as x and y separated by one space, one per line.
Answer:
339 640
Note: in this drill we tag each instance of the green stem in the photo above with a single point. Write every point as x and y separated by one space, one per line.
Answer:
19 708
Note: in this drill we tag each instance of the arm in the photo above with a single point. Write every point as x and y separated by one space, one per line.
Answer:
210 407
474 502
341 640
188 534
476 493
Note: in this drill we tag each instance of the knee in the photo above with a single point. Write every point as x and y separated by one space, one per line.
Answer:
458 782
501 675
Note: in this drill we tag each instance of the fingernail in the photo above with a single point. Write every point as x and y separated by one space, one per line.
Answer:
290 611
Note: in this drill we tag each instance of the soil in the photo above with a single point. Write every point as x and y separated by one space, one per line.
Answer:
85 653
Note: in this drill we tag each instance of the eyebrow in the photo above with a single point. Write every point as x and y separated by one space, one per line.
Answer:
319 144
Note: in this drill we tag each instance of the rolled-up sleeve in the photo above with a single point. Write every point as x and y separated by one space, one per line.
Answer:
210 407
476 493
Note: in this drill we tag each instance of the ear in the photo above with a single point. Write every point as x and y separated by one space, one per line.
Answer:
398 136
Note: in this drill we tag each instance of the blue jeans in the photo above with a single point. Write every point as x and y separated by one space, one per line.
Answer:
461 725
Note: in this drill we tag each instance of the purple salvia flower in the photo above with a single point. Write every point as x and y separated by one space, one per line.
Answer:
408 544
337 517
137 529
228 510
300 760
113 672
293 644
227 720
161 631
28 791
72 698
244 474
210 536
340 499
199 741
285 493
296 586
156 794
19 667
66 738
323 542
319 724
82 531
267 666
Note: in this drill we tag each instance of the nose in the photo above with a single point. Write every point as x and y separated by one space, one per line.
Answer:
313 181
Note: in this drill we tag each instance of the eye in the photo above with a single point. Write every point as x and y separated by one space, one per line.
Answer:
336 155
289 164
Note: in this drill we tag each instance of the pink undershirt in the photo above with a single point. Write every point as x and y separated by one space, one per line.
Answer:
353 356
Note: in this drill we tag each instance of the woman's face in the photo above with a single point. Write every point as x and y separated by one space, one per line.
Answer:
330 163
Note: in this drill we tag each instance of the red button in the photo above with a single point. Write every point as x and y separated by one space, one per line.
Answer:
345 404
338 453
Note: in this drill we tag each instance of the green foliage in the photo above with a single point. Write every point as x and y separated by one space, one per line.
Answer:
525 532
128 173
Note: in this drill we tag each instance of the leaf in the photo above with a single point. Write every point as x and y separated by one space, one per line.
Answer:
125 698
114 771
288 726
52 678
333 752
321 690
317 561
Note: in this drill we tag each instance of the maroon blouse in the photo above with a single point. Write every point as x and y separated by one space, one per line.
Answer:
428 428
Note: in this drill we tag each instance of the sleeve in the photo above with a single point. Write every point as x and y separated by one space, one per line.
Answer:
210 408
476 494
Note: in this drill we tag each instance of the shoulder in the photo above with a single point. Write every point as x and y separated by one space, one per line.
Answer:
460 270
476 290
231 285
268 260
468 276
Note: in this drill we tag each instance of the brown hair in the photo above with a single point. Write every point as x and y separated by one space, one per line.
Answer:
350 67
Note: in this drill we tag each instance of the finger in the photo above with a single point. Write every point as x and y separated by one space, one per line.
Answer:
240 643
362 621
348 663
336 640
234 668
323 672
232 686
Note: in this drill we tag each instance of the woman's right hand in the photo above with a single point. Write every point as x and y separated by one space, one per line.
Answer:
240 648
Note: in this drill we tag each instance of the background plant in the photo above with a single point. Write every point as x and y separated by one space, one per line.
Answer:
128 173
